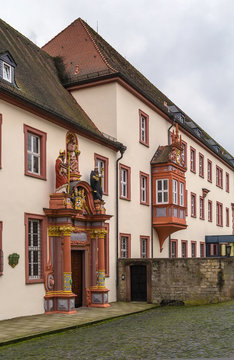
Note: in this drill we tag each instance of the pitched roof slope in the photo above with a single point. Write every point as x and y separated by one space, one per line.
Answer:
37 80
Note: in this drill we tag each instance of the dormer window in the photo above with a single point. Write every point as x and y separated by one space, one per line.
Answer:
7 68
6 72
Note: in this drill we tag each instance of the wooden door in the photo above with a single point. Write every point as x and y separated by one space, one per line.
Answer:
138 283
77 284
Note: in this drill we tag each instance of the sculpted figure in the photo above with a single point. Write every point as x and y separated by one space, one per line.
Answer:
95 182
61 173
72 157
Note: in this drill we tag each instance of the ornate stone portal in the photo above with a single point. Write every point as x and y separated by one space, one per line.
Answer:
76 223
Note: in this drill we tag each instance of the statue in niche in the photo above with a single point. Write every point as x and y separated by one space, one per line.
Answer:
72 157
95 182
61 170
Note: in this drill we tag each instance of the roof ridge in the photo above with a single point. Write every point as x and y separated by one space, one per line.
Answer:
95 45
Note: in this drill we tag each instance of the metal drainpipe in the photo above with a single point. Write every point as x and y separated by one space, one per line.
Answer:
168 139
152 209
122 150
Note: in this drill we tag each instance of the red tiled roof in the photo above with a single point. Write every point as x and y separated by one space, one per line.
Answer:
78 50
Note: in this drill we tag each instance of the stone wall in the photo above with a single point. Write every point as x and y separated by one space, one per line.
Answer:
194 281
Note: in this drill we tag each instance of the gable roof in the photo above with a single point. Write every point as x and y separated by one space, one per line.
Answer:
38 84
88 57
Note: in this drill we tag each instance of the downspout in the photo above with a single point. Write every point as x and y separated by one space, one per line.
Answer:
168 140
152 210
122 150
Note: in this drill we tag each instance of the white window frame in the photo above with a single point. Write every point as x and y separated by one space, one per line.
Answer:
101 165
175 192
4 72
124 247
181 194
32 154
163 191
124 183
143 128
143 188
32 249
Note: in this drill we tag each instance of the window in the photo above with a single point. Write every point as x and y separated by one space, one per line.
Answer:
219 214
192 159
125 182
202 212
193 205
144 188
210 210
125 246
6 72
209 170
174 248
181 194
35 152
227 182
144 243
162 191
35 240
227 216
201 165
202 249
186 202
1 251
193 249
184 248
143 128
219 177
175 192
0 141
102 163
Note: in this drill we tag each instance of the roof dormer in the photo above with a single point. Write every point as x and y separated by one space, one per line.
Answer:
7 67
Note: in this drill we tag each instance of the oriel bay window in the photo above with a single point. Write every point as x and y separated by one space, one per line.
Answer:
169 187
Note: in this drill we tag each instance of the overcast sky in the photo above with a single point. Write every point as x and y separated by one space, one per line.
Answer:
184 47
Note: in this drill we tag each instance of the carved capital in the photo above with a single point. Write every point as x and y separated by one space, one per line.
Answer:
99 232
66 230
54 230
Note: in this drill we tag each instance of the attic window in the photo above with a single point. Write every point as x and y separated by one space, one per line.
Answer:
6 72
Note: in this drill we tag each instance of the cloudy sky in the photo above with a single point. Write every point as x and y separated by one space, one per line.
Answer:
184 47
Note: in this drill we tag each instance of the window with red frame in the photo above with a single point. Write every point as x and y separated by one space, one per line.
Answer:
202 249
227 216
1 251
219 214
227 182
35 152
193 249
192 159
144 243
210 210
144 188
143 128
102 163
219 177
174 248
202 210
125 246
35 247
193 205
0 141
186 202
209 170
184 248
201 165
125 182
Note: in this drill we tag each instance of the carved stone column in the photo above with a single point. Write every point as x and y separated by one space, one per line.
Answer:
99 294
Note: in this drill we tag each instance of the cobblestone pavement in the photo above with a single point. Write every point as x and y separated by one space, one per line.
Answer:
197 332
